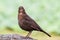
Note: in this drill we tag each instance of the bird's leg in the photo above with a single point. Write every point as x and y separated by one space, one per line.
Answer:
29 34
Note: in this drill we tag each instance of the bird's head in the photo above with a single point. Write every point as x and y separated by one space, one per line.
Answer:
21 9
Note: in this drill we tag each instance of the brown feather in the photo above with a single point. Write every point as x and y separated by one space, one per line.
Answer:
27 23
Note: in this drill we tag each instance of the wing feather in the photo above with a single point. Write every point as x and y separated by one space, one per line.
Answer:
33 24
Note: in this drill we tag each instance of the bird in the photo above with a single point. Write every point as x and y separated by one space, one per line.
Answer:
26 23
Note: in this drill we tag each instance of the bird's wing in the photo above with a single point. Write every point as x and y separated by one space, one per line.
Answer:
33 24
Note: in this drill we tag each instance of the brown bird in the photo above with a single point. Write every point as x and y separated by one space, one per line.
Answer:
27 23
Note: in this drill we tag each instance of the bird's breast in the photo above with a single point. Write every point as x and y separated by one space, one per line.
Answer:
20 16
20 13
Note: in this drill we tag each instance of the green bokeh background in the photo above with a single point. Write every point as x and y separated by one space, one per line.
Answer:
45 12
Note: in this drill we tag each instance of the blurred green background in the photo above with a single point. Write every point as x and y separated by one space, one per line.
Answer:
45 12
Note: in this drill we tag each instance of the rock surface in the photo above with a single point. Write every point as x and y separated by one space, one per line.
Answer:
13 37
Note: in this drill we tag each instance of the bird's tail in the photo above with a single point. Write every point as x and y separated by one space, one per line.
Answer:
46 33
